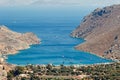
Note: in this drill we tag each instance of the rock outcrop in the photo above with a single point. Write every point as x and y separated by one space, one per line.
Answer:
11 42
101 30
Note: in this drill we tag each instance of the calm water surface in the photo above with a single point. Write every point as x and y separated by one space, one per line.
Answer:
53 26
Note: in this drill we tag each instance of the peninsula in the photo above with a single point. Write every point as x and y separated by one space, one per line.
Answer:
101 30
11 42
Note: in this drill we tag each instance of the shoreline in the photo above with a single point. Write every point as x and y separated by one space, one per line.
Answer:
116 60
62 64
113 61
76 65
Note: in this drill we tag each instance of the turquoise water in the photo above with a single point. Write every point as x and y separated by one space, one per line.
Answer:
53 26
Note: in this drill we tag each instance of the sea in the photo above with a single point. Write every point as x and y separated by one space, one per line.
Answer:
53 25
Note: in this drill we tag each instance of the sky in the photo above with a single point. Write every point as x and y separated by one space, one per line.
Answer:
58 2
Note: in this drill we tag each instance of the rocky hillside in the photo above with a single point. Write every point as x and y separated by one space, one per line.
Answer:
11 42
101 30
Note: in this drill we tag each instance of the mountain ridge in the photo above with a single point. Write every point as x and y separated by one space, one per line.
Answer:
101 30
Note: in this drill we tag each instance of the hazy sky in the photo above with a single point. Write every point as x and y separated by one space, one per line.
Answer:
58 2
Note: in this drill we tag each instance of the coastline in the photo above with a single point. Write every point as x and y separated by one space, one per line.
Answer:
75 65
97 55
116 60
67 64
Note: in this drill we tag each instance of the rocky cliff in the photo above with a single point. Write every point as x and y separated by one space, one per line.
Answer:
11 42
101 30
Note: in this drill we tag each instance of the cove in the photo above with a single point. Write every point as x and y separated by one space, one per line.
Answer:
53 27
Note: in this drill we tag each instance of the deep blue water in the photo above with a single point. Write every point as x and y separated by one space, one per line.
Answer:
53 26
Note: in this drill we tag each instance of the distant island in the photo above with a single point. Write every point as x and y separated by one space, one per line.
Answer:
101 30
11 42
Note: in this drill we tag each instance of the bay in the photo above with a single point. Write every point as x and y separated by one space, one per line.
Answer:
53 26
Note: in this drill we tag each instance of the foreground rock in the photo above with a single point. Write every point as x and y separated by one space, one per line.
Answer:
11 42
101 30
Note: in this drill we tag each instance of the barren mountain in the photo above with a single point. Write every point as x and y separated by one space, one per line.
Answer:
101 30
11 42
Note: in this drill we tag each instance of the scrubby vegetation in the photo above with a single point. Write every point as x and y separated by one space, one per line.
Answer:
51 72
